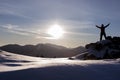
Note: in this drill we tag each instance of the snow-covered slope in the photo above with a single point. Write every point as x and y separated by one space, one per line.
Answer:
19 67
105 49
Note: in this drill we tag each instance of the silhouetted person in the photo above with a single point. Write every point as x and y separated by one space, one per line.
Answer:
102 28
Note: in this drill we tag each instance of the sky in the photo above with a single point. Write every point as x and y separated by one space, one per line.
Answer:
27 21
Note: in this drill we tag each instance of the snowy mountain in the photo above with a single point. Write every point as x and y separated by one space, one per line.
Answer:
20 67
43 50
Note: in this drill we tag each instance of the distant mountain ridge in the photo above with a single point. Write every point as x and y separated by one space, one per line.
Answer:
43 50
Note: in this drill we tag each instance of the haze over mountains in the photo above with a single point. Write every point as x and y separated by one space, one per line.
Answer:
43 50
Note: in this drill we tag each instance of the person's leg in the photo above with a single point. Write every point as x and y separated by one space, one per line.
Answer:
105 35
101 36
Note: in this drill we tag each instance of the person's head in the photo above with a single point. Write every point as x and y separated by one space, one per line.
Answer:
102 25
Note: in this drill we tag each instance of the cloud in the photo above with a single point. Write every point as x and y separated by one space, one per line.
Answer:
17 30
9 26
77 24
13 10
79 33
80 28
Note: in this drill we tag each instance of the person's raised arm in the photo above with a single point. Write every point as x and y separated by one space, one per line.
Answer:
97 26
107 25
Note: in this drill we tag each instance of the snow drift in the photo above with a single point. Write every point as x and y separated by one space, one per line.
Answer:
20 67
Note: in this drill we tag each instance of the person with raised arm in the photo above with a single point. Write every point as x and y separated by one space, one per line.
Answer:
102 29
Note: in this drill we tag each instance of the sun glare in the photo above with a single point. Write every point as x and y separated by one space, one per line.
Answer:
55 31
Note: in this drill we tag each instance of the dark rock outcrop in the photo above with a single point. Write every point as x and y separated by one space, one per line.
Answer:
105 49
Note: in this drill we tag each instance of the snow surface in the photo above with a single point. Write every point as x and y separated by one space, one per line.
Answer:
20 67
100 50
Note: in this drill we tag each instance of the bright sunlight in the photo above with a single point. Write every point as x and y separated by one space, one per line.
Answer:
55 31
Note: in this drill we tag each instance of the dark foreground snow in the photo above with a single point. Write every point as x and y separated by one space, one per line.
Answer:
19 67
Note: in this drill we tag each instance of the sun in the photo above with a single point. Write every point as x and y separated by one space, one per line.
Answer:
55 31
